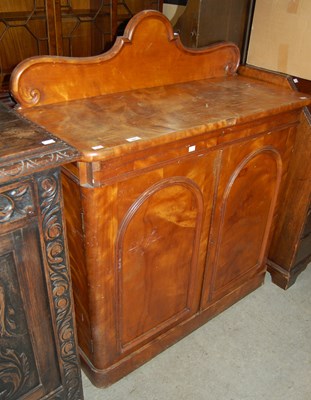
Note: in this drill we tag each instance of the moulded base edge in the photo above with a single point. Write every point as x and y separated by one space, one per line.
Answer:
104 377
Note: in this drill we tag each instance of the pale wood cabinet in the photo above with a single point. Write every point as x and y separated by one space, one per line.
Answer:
170 206
152 250
175 243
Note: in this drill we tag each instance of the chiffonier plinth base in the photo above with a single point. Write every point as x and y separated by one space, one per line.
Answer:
103 378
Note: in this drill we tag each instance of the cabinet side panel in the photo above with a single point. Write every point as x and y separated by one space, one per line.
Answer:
74 225
100 227
296 200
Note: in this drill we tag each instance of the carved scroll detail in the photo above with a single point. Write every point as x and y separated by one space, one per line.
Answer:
14 371
16 169
7 325
6 207
49 198
16 203
230 68
32 97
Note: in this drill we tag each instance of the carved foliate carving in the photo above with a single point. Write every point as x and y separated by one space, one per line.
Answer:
7 323
30 165
18 372
14 371
16 203
51 214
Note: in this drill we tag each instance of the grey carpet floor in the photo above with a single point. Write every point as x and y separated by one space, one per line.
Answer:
258 349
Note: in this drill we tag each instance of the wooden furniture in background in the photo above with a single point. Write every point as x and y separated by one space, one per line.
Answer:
208 21
290 250
170 205
76 28
38 347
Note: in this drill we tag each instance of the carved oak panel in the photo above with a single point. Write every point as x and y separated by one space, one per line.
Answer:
18 371
37 340
27 331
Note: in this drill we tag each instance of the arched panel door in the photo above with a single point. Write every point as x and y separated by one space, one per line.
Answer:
247 194
148 263
157 252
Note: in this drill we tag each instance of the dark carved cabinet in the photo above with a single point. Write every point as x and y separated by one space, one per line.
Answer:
38 357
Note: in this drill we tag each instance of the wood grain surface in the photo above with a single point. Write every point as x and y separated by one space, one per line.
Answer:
149 54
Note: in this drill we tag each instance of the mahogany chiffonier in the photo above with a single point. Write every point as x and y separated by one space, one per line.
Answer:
38 346
170 206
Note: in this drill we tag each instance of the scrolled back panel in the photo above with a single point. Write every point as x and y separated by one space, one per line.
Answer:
149 54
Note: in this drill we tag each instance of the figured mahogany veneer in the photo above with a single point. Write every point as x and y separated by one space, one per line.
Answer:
170 205
148 55
290 249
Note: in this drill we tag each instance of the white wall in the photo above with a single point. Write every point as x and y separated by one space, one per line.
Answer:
281 37
173 12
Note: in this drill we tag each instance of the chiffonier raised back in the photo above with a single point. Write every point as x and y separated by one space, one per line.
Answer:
149 54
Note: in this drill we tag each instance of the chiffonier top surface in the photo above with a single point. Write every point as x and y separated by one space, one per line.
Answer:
26 148
111 125
148 90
